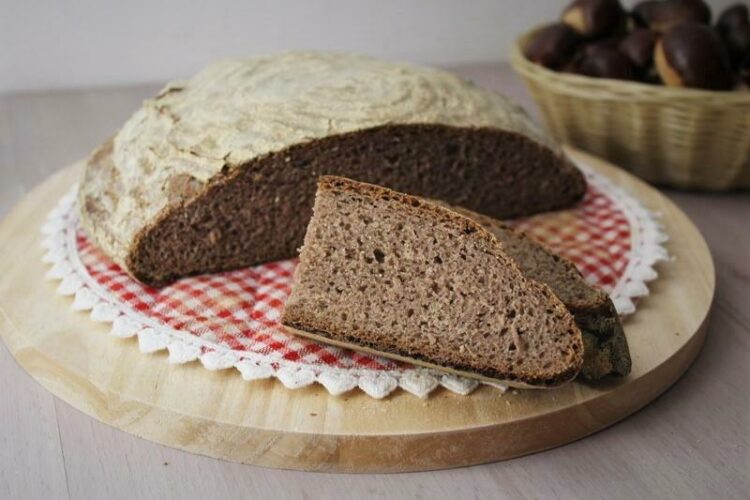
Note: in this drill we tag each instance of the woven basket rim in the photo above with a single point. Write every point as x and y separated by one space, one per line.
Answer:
597 88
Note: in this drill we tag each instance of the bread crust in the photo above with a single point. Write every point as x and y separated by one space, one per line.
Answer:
243 118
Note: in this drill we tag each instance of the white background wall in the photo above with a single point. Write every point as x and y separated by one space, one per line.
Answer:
72 43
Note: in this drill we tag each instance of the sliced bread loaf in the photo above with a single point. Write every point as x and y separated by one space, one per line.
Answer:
219 172
605 345
410 279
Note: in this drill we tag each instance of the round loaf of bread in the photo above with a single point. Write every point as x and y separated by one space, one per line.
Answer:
219 172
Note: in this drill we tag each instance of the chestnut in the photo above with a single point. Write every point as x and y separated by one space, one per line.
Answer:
692 55
586 50
651 76
660 16
571 66
606 63
738 43
732 17
593 18
604 43
638 46
700 10
641 13
745 73
552 45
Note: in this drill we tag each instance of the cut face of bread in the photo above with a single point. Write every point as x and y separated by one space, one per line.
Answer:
219 172
405 277
605 345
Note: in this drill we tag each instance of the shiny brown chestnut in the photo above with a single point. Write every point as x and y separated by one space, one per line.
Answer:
651 76
745 73
594 18
587 49
692 55
700 8
732 17
737 41
606 63
604 43
638 46
641 13
552 46
661 16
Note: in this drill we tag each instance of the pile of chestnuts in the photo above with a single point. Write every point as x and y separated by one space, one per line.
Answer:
670 42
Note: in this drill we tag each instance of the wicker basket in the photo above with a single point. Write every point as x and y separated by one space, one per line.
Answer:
679 137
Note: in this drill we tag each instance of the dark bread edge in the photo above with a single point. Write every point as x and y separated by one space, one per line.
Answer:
608 352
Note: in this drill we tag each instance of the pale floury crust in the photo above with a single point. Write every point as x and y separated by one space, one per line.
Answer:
239 110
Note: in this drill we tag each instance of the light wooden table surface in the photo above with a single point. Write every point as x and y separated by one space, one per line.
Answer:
693 442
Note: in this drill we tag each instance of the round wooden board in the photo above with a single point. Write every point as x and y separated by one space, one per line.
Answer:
220 415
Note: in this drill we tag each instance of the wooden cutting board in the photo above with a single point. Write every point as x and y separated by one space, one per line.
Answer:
220 415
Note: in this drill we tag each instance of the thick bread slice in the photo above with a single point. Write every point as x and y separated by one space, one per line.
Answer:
219 172
409 278
605 345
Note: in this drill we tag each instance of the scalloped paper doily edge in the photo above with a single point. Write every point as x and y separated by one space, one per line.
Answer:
66 267
647 245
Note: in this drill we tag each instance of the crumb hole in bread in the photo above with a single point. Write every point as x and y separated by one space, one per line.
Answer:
379 255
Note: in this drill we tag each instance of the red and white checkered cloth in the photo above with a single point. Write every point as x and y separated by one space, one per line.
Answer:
241 309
